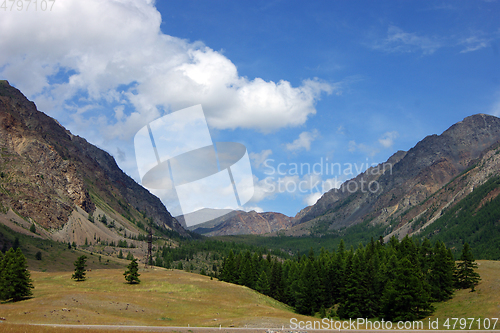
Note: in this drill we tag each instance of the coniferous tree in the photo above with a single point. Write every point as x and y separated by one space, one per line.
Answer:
15 280
132 272
426 257
130 256
406 297
467 277
80 264
229 269
262 284
307 288
277 288
247 272
440 275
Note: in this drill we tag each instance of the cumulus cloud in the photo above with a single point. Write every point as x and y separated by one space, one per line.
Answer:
259 158
312 198
114 52
387 139
303 142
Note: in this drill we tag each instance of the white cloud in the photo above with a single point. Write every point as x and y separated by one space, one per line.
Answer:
398 40
495 110
117 54
259 158
304 141
387 139
352 146
312 198
474 43
253 208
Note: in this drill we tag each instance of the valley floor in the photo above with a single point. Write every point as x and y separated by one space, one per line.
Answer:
179 301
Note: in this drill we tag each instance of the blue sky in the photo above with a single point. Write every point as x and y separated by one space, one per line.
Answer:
296 82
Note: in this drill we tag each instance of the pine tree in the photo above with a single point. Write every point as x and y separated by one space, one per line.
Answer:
262 284
120 254
467 277
277 289
132 272
130 256
228 269
15 278
247 271
80 264
441 274
406 297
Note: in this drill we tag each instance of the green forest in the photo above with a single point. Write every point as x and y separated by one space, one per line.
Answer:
475 220
395 281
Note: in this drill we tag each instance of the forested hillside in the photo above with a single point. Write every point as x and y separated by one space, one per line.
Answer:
395 281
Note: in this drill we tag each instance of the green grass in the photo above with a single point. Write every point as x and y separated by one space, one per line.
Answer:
164 297
483 303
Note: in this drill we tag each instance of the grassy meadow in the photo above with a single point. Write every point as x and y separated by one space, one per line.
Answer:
178 298
163 298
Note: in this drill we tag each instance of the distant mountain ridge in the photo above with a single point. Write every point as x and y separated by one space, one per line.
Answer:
407 181
403 187
48 174
241 223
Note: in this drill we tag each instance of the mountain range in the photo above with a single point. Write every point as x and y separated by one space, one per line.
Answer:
405 194
72 191
69 189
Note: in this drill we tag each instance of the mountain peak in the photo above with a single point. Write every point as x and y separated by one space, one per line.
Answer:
48 174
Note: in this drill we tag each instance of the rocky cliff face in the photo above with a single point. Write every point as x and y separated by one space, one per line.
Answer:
407 182
46 172
242 223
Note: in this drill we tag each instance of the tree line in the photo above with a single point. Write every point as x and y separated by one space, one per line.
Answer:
395 281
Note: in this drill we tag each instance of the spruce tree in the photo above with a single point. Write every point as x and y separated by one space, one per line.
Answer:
228 269
441 272
80 264
132 272
277 288
262 284
15 278
406 297
467 277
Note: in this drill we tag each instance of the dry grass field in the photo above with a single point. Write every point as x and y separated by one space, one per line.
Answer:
483 303
163 298
177 298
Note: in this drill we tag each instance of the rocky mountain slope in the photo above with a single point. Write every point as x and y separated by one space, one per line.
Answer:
408 192
242 223
56 180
